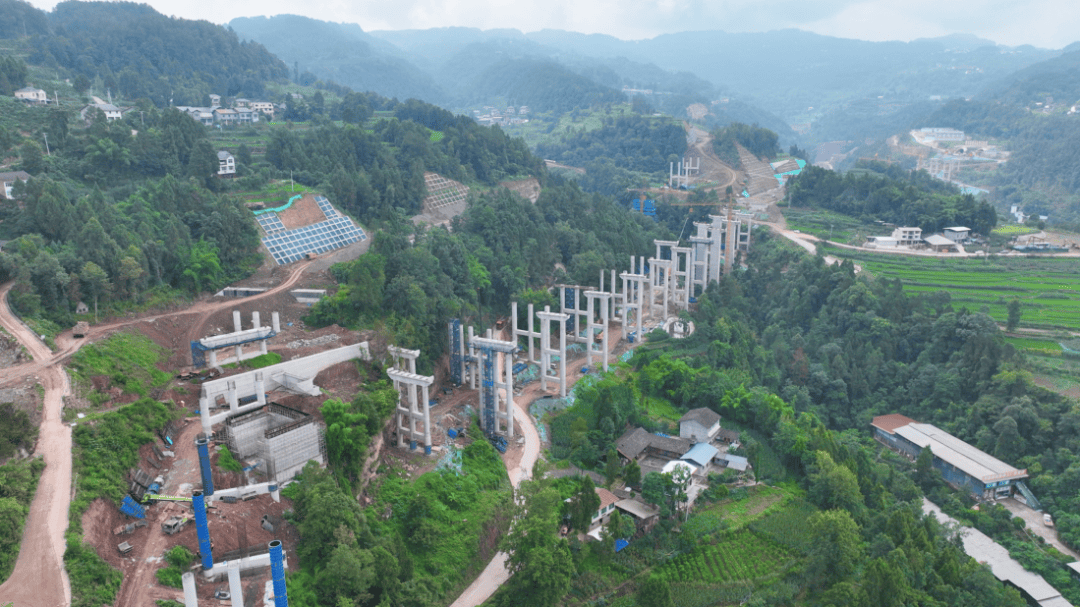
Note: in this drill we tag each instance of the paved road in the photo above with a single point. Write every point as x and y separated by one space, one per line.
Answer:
806 241
1034 520
495 574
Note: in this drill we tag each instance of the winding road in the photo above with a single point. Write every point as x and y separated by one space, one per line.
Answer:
39 578
496 574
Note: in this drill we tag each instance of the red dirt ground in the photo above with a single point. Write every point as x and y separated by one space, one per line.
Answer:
303 212
232 526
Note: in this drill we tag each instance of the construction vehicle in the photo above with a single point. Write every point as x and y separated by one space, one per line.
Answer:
129 528
81 329
499 442
174 524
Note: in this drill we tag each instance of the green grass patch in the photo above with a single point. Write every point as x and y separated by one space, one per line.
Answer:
102 453
18 482
128 359
1013 229
737 511
786 524
226 461
831 226
661 409
1035 345
263 360
179 559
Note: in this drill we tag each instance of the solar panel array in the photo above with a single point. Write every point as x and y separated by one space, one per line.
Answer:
287 246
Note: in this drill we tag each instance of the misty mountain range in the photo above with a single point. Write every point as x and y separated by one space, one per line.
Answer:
780 77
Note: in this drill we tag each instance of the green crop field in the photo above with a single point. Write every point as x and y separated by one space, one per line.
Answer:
1048 288
742 556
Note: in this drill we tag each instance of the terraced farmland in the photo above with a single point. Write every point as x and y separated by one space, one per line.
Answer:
1048 288
741 556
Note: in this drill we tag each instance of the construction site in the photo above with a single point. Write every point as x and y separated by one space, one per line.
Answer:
268 420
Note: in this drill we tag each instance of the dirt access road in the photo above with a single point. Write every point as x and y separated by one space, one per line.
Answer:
496 574
39 578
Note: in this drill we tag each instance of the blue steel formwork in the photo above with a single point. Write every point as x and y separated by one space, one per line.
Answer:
277 573
198 503
568 304
198 351
487 389
456 355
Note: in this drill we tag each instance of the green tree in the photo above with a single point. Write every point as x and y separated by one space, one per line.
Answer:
924 467
1014 315
654 592
632 474
95 282
835 546
584 505
539 559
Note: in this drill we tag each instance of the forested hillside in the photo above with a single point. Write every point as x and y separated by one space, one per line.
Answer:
887 193
544 86
113 217
760 142
1057 78
132 50
130 212
340 52
634 142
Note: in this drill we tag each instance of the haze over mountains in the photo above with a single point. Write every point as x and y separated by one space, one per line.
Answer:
794 75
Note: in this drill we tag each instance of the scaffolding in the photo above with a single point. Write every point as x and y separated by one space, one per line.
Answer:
457 352
283 437
496 412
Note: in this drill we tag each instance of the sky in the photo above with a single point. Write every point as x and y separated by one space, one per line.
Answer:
1042 23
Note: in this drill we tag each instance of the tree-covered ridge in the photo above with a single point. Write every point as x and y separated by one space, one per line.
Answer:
544 86
1057 78
636 143
760 142
13 75
889 193
372 173
138 52
341 52
1042 172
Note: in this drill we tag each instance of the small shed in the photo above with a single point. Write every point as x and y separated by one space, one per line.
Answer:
645 516
735 462
701 455
957 234
699 424
940 244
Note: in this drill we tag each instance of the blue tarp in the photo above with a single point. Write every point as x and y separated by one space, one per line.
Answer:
620 544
